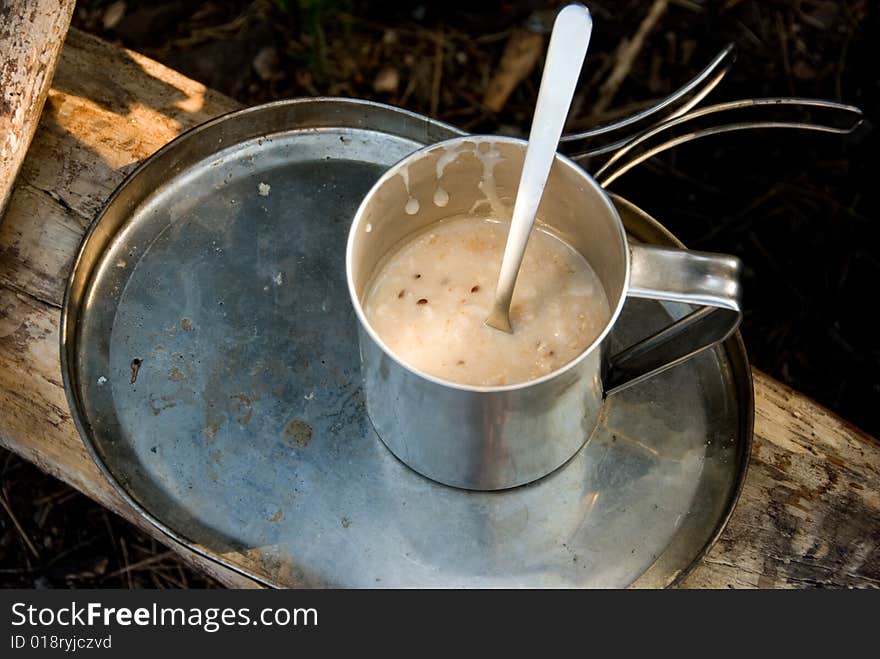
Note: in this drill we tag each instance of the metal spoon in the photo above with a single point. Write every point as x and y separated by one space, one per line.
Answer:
565 56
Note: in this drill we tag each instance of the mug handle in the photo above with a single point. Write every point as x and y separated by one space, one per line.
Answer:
676 275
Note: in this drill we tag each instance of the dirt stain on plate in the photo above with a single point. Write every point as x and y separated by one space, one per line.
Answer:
297 433
159 404
211 428
245 408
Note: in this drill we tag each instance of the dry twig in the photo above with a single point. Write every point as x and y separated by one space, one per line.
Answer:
438 73
140 564
18 527
626 54
520 56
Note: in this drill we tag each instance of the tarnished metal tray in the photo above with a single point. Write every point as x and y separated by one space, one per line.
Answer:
210 359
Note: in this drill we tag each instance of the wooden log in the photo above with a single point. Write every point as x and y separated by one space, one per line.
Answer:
31 34
809 513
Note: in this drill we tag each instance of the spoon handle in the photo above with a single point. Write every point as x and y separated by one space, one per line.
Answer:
565 56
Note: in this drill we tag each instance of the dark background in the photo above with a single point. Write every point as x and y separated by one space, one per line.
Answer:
800 209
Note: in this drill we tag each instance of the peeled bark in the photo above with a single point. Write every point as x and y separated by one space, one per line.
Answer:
31 35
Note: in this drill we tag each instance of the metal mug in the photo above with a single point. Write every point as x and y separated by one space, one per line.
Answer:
490 438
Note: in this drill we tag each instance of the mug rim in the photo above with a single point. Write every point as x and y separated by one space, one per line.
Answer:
393 171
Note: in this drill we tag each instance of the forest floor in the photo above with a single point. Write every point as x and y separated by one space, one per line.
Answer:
800 209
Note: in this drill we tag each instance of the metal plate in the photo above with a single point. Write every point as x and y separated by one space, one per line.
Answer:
211 363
